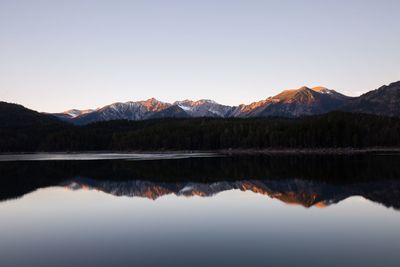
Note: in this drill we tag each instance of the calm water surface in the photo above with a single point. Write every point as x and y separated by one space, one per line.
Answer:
219 211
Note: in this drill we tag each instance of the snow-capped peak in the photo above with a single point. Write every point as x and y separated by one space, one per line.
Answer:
322 90
73 113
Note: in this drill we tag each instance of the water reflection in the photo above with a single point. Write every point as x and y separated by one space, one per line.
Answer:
295 191
302 180
201 212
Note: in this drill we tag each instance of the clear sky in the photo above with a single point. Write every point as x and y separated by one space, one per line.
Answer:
62 54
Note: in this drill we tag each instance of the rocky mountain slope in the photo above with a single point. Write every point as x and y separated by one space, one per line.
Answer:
382 101
292 103
295 103
289 103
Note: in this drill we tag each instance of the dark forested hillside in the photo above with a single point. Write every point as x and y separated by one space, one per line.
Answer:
22 129
330 130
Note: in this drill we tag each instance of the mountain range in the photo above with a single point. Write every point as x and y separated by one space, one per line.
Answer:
301 118
292 103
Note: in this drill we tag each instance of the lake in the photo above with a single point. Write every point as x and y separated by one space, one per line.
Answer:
199 210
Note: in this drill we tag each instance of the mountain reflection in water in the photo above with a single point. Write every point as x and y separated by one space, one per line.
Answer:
304 180
219 211
294 191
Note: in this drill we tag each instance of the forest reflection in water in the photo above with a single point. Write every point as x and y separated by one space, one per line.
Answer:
304 180
219 211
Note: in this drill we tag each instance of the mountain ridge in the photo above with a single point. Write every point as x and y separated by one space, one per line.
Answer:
382 101
288 103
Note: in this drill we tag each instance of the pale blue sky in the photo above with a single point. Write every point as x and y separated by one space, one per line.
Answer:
56 55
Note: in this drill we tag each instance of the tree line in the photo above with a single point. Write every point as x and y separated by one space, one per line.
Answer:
332 130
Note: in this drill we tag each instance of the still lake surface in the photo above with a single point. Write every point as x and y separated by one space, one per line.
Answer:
199 210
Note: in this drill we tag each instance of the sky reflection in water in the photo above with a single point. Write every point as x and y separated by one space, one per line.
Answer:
61 227
115 223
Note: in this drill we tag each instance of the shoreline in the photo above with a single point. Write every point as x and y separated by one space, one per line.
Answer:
318 151
233 152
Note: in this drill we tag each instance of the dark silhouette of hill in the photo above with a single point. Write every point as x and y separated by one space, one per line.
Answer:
22 129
